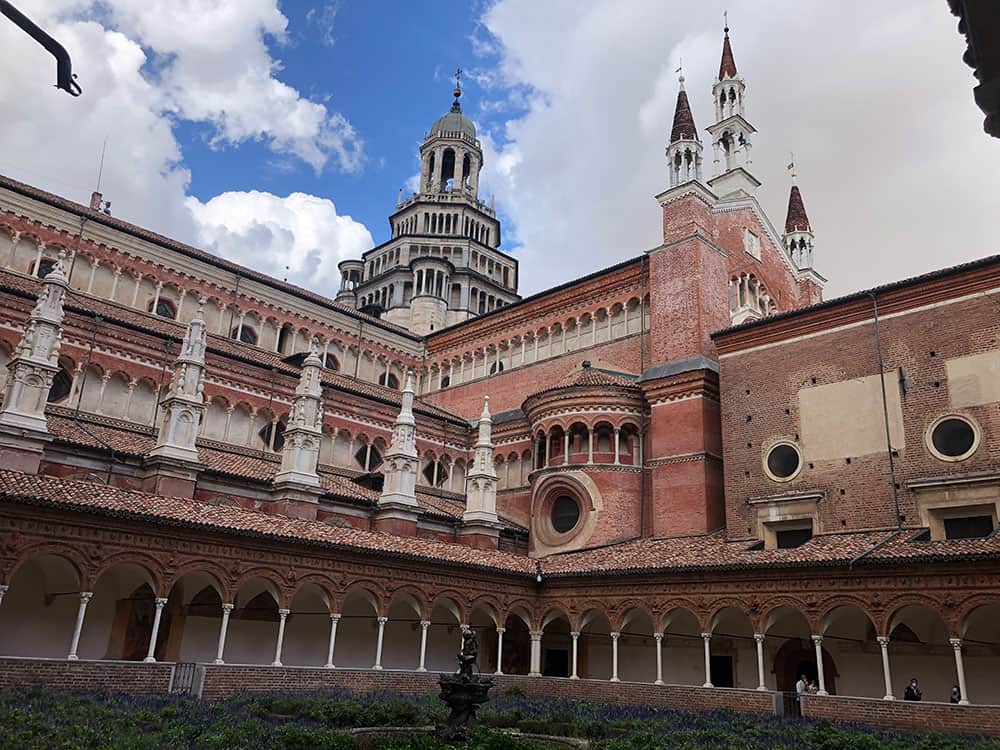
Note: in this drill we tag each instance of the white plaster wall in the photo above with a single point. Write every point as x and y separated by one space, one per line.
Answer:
250 641
29 626
200 638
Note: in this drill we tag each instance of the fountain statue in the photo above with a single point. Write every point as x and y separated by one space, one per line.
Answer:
463 691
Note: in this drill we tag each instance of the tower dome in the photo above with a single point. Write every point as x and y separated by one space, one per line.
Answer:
454 121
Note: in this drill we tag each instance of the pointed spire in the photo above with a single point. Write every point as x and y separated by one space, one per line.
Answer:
402 460
481 481
684 129
485 425
35 364
727 67
796 220
304 433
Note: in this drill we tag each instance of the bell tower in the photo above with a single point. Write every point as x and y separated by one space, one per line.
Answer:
442 264
731 131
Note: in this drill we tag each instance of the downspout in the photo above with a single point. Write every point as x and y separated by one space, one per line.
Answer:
885 411
643 420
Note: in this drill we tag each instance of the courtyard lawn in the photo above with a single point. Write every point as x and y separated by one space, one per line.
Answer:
43 718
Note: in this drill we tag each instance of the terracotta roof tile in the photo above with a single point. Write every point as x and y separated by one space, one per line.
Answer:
46 490
684 128
727 66
796 218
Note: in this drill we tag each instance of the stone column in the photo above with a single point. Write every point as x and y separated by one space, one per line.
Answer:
536 654
81 612
282 616
500 632
659 658
818 643
38 258
956 645
759 638
707 638
160 604
590 445
565 448
576 637
614 656
226 611
334 620
93 273
3 590
883 642
378 646
180 303
617 447
424 624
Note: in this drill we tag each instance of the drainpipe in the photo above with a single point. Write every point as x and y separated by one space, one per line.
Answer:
885 411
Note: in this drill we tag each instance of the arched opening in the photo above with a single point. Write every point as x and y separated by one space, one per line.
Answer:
195 604
62 382
165 308
733 651
980 633
389 380
849 635
594 658
119 618
557 446
637 647
39 608
579 443
683 652
483 621
444 636
604 443
435 473
919 647
253 625
331 362
307 628
357 634
557 645
788 637
401 647
516 657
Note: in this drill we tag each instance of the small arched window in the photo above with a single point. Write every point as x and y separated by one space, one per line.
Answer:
496 367
441 473
445 381
331 362
391 381
62 383
279 438
45 267
164 309
246 334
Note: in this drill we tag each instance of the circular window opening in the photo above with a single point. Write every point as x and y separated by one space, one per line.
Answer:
783 461
565 514
953 438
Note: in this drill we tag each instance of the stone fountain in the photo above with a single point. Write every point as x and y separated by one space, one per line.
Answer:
464 691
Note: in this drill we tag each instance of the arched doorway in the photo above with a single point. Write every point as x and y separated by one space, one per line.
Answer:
796 658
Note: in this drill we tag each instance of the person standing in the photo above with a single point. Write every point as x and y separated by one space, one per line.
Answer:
802 686
912 692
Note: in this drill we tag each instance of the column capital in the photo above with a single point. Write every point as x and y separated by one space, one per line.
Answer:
883 640
425 624
160 602
501 631
759 637
574 634
817 639
536 635
335 616
228 607
956 643
465 628
615 636
706 636
382 620
3 588
284 612
86 595
658 637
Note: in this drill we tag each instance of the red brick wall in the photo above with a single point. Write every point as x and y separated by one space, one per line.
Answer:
136 678
911 716
763 385
224 681
508 390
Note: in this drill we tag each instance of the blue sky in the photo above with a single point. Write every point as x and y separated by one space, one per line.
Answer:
277 134
389 69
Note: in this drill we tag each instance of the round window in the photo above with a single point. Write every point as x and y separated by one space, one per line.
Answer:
953 438
783 461
565 514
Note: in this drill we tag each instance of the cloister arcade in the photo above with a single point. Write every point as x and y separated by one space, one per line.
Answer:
174 295
600 325
127 611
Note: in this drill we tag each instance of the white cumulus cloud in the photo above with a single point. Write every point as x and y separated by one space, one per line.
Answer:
299 237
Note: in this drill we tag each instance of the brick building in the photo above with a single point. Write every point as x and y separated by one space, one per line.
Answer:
684 470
